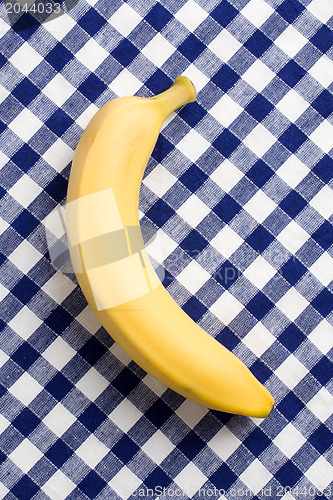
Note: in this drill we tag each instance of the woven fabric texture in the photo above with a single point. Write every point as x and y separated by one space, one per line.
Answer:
236 206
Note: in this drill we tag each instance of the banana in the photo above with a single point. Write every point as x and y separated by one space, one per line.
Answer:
114 271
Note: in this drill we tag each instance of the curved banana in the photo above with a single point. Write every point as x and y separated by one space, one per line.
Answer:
114 271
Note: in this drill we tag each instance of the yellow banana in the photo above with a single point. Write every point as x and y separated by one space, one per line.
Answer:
113 267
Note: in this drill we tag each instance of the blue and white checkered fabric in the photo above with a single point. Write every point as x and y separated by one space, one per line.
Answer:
238 194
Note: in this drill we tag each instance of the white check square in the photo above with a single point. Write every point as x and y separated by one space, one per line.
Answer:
92 384
158 447
160 246
193 145
58 90
226 241
4 93
58 287
322 136
197 76
256 476
292 304
125 19
190 475
125 415
321 404
59 155
155 385
25 456
322 336
55 224
226 175
322 269
3 225
91 54
289 440
259 339
290 41
258 75
226 308
320 474
26 388
260 206
25 256
60 26
86 116
159 180
25 190
321 9
25 125
292 171
25 323
224 45
226 110
224 443
191 413
259 140
193 210
193 277
293 237
124 483
25 58
158 50
3 292
120 354
323 201
291 371
3 158
4 27
89 320
59 353
322 70
3 359
259 272
3 489
59 420
92 451
58 486
125 84
257 11
191 15
292 105
4 423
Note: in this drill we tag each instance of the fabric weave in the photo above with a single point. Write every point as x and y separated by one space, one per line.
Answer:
236 208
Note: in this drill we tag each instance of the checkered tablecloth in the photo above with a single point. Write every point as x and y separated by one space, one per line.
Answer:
236 208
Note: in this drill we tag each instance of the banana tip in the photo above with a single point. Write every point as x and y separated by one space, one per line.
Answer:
270 408
186 82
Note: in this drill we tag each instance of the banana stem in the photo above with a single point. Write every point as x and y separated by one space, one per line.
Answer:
181 93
